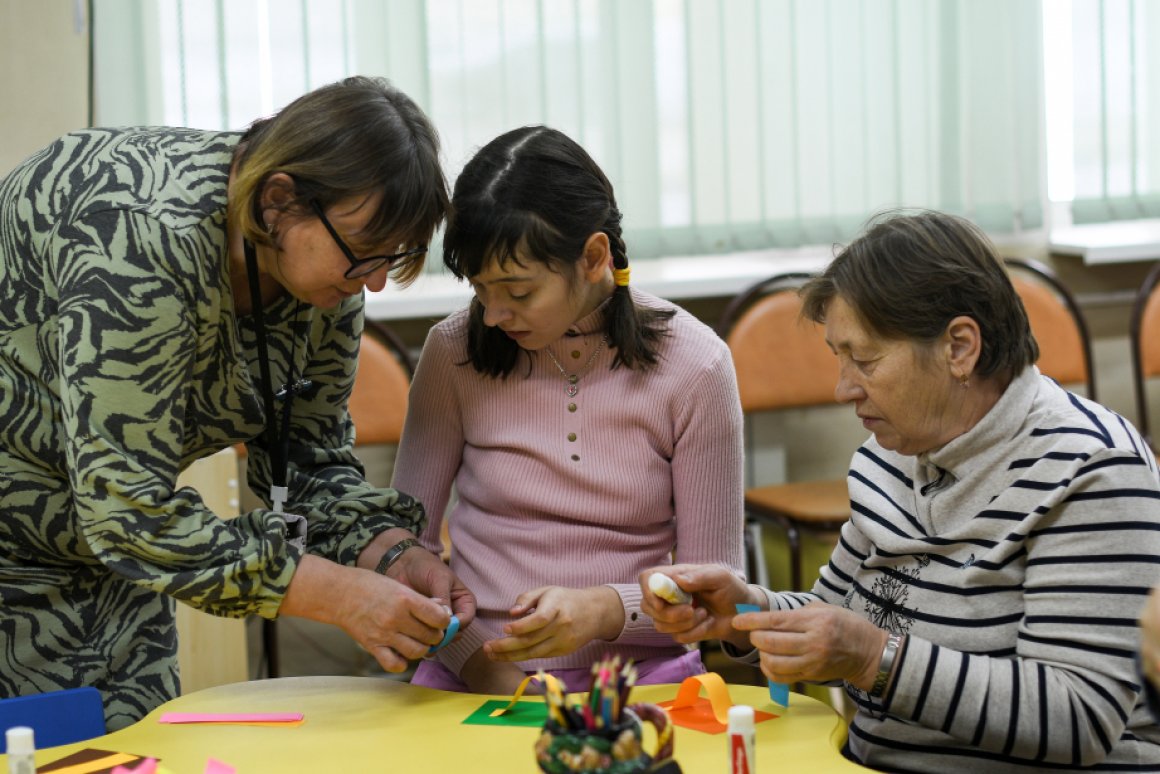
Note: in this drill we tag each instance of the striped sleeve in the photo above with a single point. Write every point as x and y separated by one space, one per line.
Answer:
1065 694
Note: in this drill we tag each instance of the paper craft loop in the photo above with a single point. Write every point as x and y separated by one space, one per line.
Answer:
551 683
718 695
448 636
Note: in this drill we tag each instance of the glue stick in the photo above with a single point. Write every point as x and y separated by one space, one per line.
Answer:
667 589
21 748
742 740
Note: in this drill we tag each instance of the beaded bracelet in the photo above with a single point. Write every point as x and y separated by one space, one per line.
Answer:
886 665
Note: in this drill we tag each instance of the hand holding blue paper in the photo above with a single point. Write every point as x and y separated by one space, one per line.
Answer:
778 692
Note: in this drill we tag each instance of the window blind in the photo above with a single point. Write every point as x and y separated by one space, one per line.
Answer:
1116 109
738 125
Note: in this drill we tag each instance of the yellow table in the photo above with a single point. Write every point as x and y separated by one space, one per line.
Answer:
367 724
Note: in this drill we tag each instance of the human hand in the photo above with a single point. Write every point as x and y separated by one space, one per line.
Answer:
1150 638
555 621
716 593
482 675
426 573
390 621
817 642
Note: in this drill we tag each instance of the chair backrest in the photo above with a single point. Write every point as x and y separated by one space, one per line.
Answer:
782 361
1065 350
55 717
378 403
1145 333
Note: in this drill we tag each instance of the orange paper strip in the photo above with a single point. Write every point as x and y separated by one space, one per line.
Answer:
709 715
94 760
718 694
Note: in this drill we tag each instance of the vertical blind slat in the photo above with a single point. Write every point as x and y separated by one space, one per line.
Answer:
740 125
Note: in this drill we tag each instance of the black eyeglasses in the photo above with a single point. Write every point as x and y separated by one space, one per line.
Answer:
361 267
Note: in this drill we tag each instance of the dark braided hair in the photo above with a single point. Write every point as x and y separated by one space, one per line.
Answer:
534 188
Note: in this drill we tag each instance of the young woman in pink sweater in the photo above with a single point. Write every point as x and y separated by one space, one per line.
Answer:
590 430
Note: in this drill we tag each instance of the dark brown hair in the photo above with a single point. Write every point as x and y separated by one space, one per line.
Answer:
910 273
357 137
534 193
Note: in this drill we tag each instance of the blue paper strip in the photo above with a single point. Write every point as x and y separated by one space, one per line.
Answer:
778 692
452 630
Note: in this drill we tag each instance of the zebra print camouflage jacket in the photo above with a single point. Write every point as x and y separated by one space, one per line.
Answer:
122 361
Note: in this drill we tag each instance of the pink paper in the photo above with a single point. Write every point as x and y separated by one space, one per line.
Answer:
231 717
147 766
213 766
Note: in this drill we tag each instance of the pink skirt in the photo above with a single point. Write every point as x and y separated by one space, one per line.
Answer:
432 674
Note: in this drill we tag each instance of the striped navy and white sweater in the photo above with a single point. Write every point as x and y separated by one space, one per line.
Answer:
1017 558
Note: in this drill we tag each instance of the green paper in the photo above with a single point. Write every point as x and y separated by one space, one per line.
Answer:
524 713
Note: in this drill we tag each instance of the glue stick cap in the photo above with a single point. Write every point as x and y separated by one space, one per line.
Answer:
740 719
20 740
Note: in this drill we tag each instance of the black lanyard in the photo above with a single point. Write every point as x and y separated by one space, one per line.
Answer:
279 441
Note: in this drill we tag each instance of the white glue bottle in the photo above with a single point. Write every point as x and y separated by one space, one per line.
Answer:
21 749
742 740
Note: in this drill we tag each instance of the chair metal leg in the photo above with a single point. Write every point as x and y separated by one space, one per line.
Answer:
794 539
755 554
270 647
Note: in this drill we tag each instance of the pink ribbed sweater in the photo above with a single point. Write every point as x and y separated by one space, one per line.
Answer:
647 464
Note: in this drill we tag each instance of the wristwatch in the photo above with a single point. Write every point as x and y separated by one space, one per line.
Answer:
393 553
886 665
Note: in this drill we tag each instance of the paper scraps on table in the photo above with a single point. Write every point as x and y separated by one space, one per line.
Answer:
214 766
235 718
778 692
496 712
92 761
709 715
147 766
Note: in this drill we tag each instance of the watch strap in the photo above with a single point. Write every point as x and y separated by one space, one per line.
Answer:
886 664
393 553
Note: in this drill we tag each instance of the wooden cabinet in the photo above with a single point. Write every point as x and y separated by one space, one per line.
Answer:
44 93
211 650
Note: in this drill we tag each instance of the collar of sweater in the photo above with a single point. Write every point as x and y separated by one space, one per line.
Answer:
988 439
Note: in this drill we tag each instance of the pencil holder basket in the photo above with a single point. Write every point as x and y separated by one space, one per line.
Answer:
614 750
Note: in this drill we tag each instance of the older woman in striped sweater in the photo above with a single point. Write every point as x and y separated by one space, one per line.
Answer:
981 605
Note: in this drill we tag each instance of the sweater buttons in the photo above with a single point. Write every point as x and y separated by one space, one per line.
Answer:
572 407
575 457
575 354
571 437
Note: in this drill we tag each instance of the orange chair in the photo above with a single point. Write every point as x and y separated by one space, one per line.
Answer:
378 407
1145 334
378 403
1065 351
783 362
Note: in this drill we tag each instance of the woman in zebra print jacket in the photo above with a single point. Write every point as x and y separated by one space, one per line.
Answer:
981 606
133 267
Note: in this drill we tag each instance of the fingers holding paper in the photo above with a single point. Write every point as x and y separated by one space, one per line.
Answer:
397 624
392 622
426 573
818 642
555 621
716 593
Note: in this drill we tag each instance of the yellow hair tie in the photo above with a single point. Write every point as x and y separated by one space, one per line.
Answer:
621 276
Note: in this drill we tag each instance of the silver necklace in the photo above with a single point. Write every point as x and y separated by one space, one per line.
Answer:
573 379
